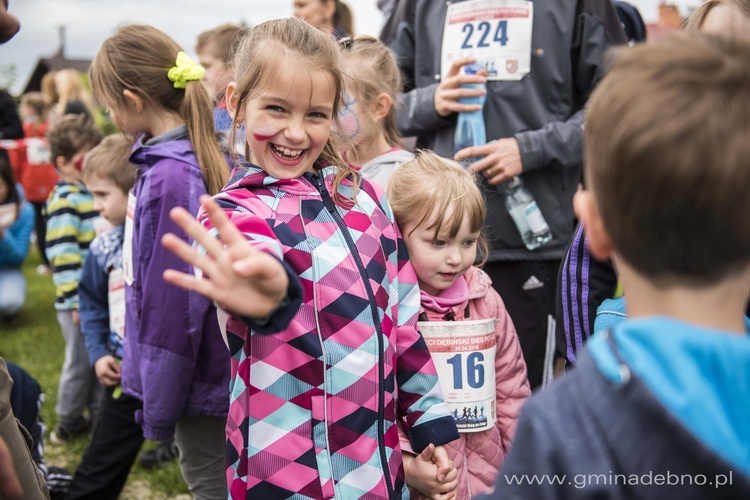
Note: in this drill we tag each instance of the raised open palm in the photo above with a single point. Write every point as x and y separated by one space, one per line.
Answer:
243 280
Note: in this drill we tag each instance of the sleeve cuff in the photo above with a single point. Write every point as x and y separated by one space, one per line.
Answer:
96 353
280 318
532 152
160 433
438 432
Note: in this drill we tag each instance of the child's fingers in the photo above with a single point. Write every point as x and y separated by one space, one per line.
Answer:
450 484
189 254
193 228
451 476
189 282
427 453
227 231
453 495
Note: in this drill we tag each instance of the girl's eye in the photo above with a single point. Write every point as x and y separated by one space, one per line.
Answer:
318 114
438 243
470 243
273 107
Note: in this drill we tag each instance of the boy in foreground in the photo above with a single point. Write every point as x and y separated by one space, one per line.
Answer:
657 407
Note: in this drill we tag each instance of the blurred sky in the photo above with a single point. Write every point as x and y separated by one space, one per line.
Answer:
89 22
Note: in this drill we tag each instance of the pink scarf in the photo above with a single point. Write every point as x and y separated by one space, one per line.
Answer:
457 294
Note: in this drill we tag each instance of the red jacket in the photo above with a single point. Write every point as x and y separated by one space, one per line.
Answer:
36 173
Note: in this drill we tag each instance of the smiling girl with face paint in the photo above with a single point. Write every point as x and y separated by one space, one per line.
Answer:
320 300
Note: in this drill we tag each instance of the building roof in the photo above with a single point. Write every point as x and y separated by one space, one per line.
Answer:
54 63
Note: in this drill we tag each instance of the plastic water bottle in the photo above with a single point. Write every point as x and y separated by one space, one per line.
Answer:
470 126
525 213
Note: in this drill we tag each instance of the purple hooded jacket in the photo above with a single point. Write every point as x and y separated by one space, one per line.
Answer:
174 358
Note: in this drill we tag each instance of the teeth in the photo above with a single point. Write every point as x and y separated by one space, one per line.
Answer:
292 153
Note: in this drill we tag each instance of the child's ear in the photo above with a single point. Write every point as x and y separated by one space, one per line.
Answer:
134 99
587 211
231 99
60 162
382 106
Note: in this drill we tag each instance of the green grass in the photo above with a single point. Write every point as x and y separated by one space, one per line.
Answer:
36 344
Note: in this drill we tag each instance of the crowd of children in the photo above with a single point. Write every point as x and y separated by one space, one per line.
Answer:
317 324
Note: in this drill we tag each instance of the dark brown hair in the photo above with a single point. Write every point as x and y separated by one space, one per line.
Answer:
109 160
137 58
6 174
667 157
342 18
72 134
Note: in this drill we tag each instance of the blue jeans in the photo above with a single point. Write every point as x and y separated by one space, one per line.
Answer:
12 291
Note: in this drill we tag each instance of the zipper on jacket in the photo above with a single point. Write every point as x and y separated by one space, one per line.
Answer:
331 207
325 385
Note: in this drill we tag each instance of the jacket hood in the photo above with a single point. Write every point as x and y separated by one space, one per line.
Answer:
479 282
395 156
671 356
174 145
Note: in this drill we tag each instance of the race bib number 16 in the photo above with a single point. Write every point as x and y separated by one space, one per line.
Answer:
464 356
497 33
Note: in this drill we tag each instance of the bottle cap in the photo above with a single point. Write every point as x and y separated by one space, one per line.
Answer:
509 184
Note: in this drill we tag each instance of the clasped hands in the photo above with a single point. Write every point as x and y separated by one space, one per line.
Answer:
431 473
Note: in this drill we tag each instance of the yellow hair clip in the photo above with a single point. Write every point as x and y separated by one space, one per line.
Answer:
184 70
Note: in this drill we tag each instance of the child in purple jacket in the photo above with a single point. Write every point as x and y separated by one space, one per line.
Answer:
180 365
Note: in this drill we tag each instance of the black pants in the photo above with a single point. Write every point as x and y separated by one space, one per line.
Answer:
40 228
113 448
528 290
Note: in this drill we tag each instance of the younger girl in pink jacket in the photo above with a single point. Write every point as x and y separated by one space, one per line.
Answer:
464 322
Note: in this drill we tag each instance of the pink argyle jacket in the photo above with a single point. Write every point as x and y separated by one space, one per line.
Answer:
317 389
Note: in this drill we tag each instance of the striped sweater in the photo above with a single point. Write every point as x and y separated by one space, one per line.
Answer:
315 397
70 229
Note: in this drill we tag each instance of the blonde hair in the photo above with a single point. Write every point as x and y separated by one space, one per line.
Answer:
38 104
667 157
699 15
109 160
256 66
430 184
70 88
372 68
137 58
49 87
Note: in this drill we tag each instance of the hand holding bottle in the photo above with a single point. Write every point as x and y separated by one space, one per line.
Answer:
499 160
452 88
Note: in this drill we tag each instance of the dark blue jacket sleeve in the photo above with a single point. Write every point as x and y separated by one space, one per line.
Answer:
279 319
93 307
